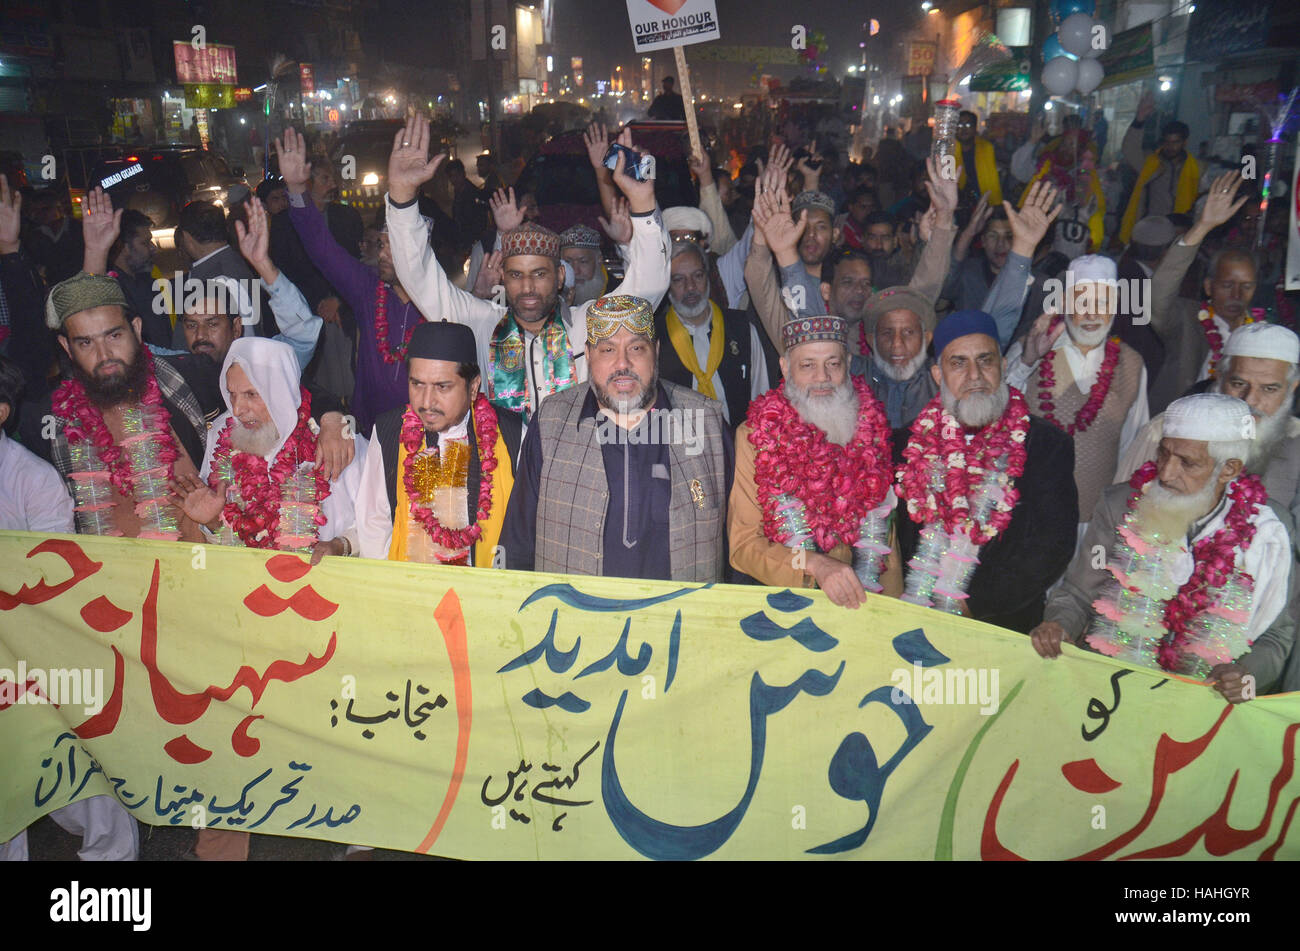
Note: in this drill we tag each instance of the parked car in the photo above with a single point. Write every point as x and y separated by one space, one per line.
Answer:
160 182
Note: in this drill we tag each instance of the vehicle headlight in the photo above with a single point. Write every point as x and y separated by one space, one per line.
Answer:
370 178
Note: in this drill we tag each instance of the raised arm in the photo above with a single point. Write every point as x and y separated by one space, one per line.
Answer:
647 275
596 138
100 226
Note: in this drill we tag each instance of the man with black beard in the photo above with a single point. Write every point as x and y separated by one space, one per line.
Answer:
1194 502
623 475
714 351
1018 564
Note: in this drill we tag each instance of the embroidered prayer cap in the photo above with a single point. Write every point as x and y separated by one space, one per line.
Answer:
963 323
812 201
1267 341
443 340
813 330
605 315
900 298
1209 417
687 218
1154 230
530 238
82 292
1091 268
579 236
272 368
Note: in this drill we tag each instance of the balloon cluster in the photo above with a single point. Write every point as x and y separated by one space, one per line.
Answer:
811 54
1070 54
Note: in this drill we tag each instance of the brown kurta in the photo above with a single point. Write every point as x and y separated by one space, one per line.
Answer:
768 562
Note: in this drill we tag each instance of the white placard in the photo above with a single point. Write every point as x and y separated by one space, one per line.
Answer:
659 24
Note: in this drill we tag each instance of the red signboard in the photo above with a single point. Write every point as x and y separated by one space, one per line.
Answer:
307 76
243 94
212 63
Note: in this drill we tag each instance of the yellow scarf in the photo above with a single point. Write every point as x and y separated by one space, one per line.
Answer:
986 167
502 483
1184 195
682 342
1097 223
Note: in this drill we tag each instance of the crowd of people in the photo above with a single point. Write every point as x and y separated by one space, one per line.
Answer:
852 377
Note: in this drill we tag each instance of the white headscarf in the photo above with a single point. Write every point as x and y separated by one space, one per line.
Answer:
272 367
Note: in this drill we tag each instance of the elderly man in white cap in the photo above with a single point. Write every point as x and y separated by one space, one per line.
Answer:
1198 564
1262 367
1078 377
580 249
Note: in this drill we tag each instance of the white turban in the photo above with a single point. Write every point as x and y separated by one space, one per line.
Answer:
1266 341
686 218
1209 417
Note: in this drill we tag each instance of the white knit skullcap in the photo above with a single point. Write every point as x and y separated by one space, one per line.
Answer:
1267 341
1209 417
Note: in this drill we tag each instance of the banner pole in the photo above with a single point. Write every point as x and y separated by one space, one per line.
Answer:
688 100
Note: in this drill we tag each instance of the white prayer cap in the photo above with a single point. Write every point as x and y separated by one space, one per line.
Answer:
1091 267
1268 341
1209 417
686 218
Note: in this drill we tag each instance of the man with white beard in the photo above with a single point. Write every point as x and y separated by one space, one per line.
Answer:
987 487
811 502
712 350
580 247
1093 388
1262 367
1192 509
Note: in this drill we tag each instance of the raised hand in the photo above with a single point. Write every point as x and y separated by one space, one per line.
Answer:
505 211
702 169
100 226
409 166
254 239
1146 106
811 176
943 193
619 225
295 165
640 195
1041 338
782 233
596 139
1030 223
1221 202
489 276
11 219
201 503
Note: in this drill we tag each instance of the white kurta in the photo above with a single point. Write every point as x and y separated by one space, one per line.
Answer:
33 496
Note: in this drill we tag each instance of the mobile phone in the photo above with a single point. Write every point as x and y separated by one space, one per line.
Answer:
640 167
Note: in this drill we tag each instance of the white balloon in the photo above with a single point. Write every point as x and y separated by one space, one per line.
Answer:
1075 34
1060 75
1099 41
1090 75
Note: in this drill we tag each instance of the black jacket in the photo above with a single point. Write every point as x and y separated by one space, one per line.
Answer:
1016 568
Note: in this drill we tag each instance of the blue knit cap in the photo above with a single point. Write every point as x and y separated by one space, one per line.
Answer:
961 323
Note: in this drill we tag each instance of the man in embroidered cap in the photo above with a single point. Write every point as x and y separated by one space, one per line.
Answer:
1078 376
529 345
812 501
625 476
1196 524
714 350
1193 332
988 489
119 391
580 246
441 466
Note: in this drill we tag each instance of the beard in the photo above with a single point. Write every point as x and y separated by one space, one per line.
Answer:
1083 338
107 392
908 370
1164 512
691 312
1269 433
627 404
834 413
589 289
256 442
977 410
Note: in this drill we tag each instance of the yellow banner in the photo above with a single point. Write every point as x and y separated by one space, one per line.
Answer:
484 714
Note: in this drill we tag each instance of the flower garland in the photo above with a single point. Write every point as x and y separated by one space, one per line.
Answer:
388 354
1214 338
1096 395
261 487
485 431
1214 558
838 486
84 422
938 442
862 338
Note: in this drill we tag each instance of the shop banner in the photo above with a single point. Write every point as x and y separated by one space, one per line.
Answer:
760 55
211 63
1008 75
1219 28
920 57
484 714
209 96
1131 56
